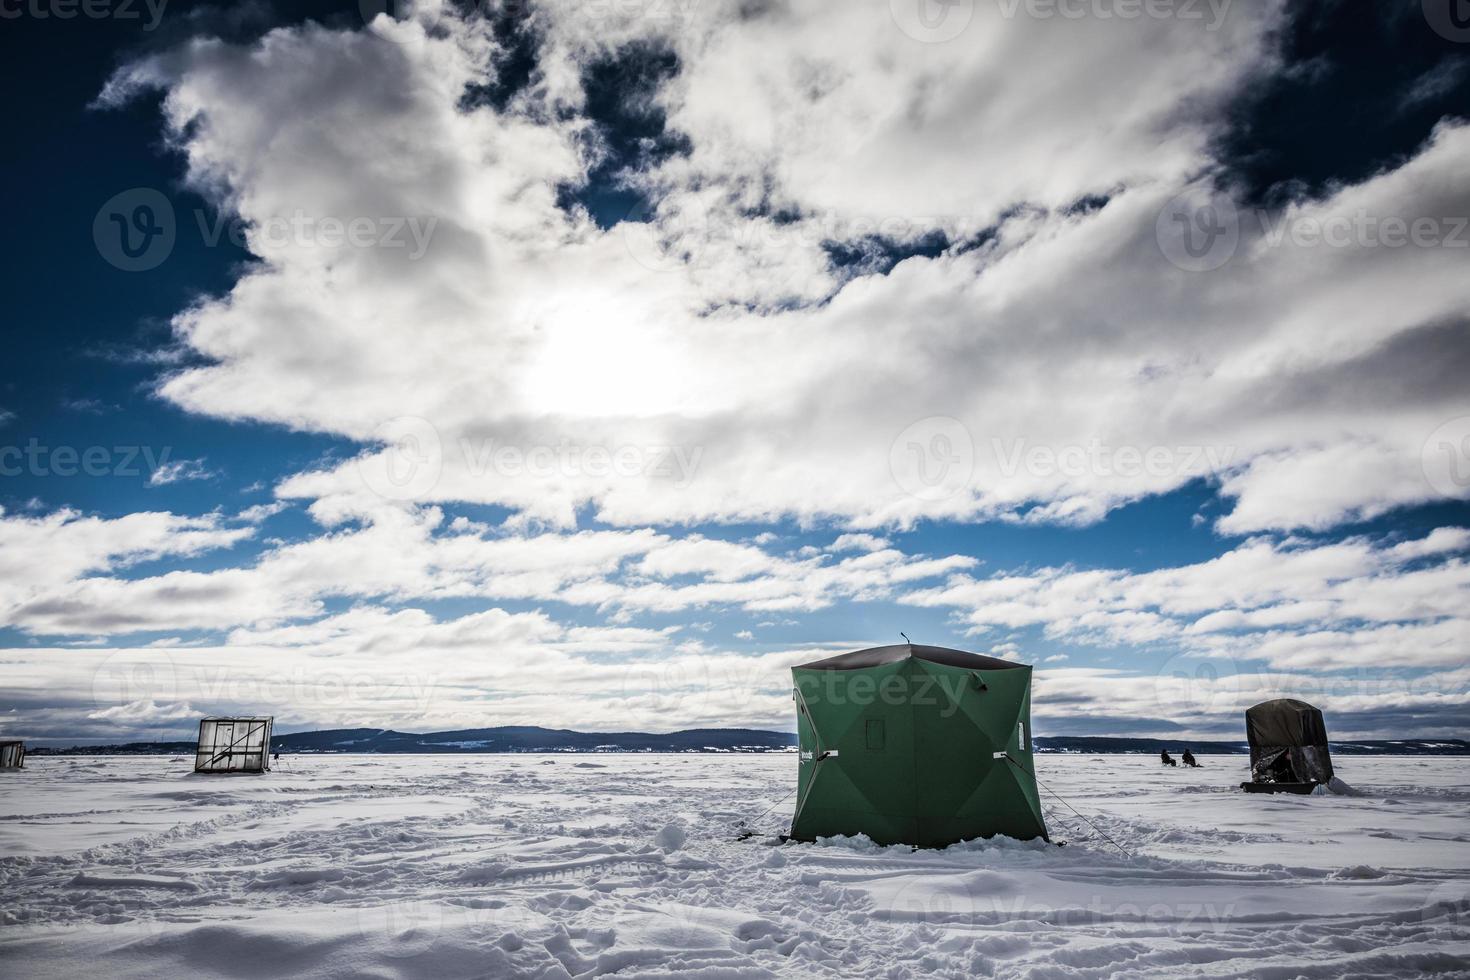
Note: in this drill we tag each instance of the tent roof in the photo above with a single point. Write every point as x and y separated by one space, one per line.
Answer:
1284 722
878 656
1281 706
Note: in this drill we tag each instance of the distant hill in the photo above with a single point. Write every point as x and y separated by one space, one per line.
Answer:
504 739
531 739
1153 746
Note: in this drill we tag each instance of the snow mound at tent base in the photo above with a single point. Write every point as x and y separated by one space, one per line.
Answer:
1335 787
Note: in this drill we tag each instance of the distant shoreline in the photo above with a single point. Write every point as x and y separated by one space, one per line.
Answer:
714 741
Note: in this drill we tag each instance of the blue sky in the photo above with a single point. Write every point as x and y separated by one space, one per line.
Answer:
829 278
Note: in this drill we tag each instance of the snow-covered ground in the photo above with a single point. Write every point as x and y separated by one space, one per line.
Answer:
576 865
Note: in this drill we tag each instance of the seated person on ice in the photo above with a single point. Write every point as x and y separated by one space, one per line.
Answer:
1189 760
1167 759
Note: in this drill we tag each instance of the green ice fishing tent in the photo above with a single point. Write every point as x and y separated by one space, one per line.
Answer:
915 745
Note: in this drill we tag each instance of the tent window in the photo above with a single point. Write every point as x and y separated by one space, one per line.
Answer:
1021 727
875 735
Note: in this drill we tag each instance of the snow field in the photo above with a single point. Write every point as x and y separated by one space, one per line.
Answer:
563 866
